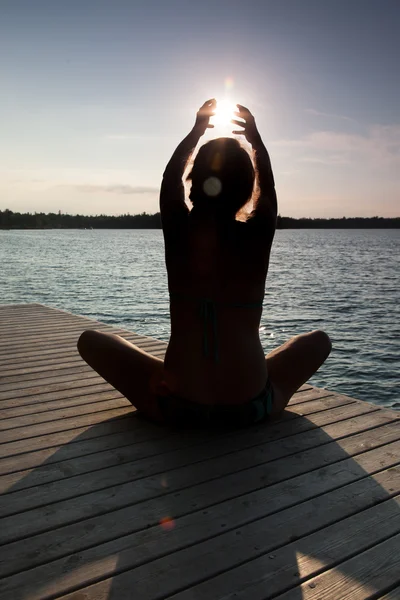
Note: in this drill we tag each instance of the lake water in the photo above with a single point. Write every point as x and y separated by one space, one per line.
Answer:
342 281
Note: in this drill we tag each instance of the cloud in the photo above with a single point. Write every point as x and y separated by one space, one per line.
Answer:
379 147
24 180
318 113
117 188
333 159
119 137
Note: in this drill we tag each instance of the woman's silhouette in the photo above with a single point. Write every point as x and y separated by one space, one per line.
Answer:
214 367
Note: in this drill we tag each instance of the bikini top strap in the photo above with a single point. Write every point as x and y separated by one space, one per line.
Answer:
208 313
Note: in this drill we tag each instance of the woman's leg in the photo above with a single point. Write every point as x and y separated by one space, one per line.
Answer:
293 363
129 369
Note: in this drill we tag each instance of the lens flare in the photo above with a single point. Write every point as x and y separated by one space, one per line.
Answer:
228 83
167 523
212 186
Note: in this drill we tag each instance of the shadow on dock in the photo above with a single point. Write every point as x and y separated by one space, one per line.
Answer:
134 510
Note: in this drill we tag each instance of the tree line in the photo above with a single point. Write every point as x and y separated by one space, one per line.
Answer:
16 220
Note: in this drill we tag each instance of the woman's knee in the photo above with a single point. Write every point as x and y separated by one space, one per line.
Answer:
322 342
86 341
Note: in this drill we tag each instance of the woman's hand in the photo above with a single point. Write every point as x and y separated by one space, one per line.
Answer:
249 130
203 116
266 206
172 190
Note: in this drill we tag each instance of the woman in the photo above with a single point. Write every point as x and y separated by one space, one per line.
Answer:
214 369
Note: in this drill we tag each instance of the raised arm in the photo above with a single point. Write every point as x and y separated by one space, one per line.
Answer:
172 196
266 206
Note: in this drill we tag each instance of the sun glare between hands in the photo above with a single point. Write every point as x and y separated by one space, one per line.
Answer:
224 113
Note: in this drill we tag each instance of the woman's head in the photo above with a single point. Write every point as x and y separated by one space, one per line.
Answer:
222 177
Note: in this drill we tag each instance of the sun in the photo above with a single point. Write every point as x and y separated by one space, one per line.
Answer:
224 113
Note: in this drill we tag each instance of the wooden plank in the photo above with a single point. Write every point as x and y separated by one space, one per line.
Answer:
57 364
46 376
91 440
13 306
48 390
29 355
19 327
43 318
62 413
35 408
318 404
159 354
33 358
66 340
62 425
36 323
60 337
274 511
259 435
106 484
23 305
32 325
88 456
18 472
41 364
30 308
180 570
69 344
79 374
59 330
392 595
15 315
364 576
53 356
268 574
68 423
259 537
312 394
58 334
244 470
73 393
228 450
338 414
36 373
26 406
20 339
48 325
40 313
74 435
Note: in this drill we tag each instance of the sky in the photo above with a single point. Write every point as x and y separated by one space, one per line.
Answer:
95 96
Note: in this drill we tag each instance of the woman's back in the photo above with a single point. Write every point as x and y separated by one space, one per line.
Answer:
216 274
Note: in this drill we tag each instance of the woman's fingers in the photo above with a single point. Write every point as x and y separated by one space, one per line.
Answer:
209 103
245 114
240 123
243 109
239 132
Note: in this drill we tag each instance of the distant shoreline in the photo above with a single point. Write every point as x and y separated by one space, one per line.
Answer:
10 220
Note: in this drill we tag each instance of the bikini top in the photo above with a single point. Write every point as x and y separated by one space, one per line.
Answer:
208 313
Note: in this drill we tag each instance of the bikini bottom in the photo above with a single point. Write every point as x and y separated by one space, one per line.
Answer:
185 413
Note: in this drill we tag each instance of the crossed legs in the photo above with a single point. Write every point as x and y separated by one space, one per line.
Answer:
138 375
292 364
132 371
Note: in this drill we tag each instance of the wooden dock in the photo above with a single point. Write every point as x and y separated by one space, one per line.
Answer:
98 504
